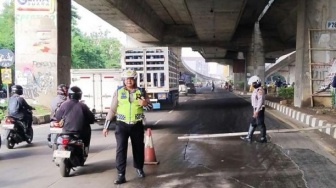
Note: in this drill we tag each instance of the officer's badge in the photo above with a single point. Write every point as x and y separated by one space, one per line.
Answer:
123 95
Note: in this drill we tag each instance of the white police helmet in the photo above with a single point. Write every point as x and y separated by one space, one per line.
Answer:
129 74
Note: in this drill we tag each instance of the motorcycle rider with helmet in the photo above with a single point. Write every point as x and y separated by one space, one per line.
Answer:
62 93
77 116
258 117
19 108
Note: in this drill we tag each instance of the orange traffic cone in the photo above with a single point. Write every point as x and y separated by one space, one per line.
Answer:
149 149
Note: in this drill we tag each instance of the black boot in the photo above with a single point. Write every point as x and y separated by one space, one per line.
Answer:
263 138
141 173
249 136
120 179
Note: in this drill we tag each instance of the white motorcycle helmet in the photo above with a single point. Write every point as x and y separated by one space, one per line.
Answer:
255 81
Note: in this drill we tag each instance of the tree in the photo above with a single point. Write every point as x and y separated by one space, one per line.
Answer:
110 48
7 24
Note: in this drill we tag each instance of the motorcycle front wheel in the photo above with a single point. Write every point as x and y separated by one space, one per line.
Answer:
65 168
10 143
31 135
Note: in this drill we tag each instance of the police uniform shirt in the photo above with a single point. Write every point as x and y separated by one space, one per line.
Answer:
113 108
259 99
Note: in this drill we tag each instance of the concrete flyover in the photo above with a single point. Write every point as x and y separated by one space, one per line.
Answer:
221 30
283 66
199 24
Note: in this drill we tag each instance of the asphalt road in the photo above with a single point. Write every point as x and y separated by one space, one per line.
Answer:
289 159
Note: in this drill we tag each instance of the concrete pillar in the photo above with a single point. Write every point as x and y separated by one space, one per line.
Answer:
258 53
64 41
42 48
255 56
237 78
312 14
291 77
249 62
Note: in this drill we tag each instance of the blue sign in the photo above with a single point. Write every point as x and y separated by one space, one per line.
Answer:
6 58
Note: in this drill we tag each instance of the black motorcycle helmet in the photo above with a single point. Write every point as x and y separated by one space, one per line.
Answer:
75 93
17 89
62 89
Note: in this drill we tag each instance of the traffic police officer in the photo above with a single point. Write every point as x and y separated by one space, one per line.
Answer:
258 117
127 106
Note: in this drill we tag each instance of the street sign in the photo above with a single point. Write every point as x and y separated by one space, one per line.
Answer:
6 58
6 76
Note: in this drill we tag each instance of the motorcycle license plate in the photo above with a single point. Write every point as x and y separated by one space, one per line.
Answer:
54 130
8 126
62 154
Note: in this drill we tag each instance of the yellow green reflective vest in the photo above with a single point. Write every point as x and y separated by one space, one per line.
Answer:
128 111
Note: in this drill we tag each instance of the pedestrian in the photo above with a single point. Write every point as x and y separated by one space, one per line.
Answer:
127 106
258 117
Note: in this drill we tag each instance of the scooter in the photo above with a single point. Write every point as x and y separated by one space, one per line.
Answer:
15 132
70 152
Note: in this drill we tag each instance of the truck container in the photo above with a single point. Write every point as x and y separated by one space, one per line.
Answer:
98 87
158 73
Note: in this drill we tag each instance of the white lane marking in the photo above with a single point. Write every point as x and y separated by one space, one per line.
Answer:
157 121
171 111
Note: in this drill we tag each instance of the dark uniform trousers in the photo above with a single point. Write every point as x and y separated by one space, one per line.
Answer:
260 120
136 132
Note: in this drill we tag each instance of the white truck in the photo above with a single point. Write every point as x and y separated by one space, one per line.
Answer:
98 87
158 73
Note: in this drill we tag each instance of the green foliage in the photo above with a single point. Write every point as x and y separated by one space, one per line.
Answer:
3 108
7 23
286 92
241 84
95 51
41 110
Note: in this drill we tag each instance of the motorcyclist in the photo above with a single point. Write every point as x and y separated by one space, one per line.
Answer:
77 116
19 108
62 93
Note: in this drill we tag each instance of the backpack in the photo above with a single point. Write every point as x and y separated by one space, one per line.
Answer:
13 106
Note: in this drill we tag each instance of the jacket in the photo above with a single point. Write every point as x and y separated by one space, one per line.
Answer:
77 116
23 106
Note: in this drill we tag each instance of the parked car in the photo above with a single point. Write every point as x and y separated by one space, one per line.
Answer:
191 88
183 90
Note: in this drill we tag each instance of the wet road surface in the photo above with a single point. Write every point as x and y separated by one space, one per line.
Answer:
288 160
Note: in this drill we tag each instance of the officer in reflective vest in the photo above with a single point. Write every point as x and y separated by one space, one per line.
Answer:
127 106
258 117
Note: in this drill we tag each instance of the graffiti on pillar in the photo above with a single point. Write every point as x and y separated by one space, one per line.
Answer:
35 83
323 59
